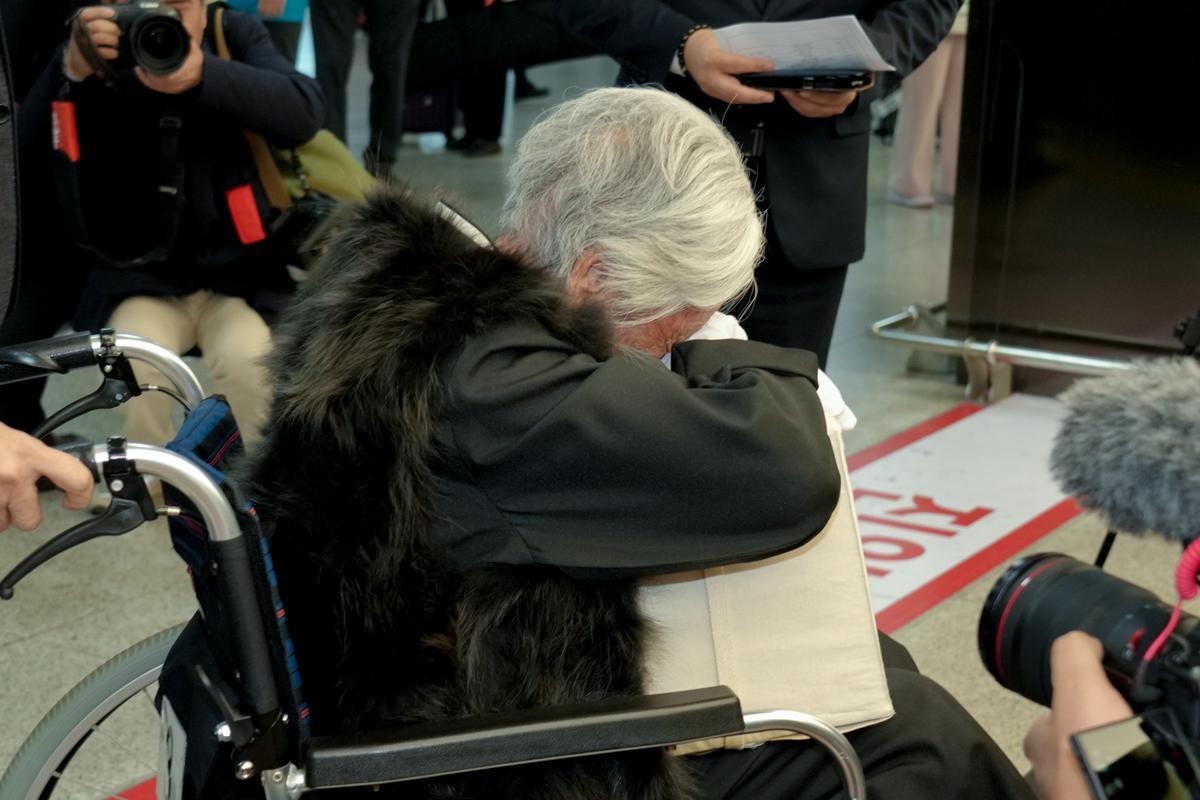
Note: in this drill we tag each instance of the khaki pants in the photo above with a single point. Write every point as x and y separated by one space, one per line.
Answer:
233 341
932 93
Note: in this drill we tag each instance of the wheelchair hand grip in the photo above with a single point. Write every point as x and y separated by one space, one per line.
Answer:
239 595
20 362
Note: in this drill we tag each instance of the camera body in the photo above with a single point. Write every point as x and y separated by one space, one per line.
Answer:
152 37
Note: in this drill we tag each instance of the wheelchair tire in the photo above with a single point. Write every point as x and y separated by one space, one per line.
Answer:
34 771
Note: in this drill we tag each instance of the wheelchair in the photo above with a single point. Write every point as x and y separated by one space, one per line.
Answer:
252 686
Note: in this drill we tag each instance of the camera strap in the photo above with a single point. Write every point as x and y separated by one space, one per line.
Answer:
264 160
66 159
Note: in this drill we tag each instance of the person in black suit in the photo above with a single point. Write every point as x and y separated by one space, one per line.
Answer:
41 298
808 150
390 25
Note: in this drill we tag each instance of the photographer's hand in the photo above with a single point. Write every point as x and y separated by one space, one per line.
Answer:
188 76
96 23
1083 698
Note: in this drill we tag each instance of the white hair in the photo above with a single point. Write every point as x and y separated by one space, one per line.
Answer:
649 183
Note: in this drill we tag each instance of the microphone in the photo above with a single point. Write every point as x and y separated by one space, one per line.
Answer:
1130 448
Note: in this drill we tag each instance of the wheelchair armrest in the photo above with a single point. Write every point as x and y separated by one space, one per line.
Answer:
426 750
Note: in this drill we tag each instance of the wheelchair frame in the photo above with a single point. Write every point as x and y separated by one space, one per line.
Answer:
412 752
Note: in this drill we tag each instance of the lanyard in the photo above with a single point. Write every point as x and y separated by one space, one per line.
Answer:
66 158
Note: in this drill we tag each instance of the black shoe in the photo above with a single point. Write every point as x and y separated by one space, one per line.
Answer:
460 143
482 147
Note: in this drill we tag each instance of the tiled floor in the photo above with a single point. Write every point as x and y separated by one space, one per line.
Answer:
96 600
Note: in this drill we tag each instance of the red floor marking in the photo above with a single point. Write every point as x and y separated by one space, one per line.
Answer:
913 434
943 586
908 608
143 791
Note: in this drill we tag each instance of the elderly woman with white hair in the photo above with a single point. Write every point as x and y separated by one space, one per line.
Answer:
474 452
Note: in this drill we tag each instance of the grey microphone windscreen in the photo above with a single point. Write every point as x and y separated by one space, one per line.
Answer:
1130 447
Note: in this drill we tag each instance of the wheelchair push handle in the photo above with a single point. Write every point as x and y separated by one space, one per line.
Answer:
61 354
184 381
112 353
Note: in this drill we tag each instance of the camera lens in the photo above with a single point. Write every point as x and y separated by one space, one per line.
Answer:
159 44
1041 597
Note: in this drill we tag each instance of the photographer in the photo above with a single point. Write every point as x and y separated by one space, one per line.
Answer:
143 177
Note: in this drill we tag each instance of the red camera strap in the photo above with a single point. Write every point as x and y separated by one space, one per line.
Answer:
66 131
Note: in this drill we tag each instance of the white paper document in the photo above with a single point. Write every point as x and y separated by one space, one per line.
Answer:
830 44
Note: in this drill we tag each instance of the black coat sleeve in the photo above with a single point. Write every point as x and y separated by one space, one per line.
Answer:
259 89
643 35
906 32
623 468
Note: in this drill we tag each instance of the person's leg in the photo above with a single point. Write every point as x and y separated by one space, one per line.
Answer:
234 341
286 36
480 97
932 748
910 175
390 27
333 26
951 116
167 321
482 102
794 307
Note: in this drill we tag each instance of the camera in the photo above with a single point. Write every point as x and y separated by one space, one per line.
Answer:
152 37
1044 596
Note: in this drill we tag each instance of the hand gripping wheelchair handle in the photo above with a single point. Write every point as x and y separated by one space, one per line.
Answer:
130 507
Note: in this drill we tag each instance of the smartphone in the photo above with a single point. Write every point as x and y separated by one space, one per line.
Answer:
798 80
1143 758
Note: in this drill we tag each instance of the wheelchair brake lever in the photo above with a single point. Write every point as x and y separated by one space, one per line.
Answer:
121 516
130 507
119 385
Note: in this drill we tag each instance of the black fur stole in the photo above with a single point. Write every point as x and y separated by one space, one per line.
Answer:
385 631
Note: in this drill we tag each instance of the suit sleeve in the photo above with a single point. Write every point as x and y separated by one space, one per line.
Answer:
624 468
906 32
259 88
642 35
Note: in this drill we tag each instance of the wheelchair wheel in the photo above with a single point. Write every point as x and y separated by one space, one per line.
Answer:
101 739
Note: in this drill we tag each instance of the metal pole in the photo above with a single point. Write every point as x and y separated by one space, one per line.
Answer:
992 351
